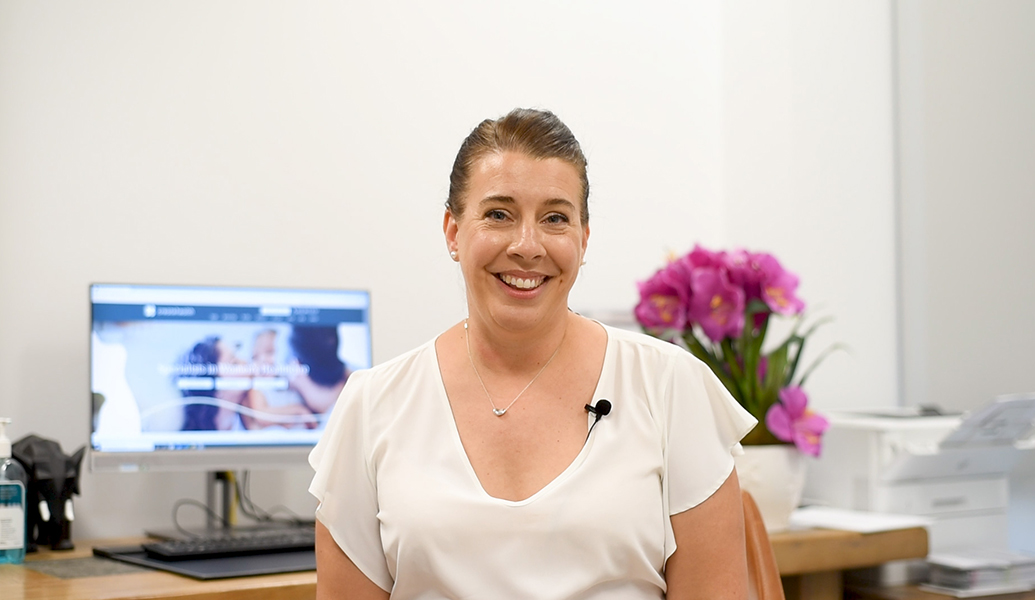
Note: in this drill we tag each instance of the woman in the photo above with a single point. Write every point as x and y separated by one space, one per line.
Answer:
470 467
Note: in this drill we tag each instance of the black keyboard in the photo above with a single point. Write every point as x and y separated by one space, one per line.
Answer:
264 541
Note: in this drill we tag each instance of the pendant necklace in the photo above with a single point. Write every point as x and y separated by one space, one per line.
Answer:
499 412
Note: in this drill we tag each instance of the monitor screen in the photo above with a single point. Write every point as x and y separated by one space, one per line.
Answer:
211 378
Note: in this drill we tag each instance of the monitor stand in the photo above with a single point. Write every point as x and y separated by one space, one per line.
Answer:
219 483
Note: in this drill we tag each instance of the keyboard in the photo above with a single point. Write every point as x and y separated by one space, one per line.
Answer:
263 541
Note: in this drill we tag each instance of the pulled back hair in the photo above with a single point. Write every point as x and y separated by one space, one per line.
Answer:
536 133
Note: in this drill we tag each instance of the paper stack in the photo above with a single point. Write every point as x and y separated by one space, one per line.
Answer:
980 572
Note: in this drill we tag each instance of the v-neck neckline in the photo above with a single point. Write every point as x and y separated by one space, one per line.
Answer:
466 460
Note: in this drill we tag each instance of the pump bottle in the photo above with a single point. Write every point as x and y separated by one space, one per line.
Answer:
13 483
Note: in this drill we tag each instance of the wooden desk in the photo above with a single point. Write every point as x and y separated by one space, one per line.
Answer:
810 561
20 583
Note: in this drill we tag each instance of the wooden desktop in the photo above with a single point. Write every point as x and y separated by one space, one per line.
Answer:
21 583
810 563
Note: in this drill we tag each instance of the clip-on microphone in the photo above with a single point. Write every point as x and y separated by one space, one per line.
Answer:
602 409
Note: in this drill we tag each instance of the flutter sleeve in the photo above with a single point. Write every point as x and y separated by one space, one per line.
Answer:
702 426
345 482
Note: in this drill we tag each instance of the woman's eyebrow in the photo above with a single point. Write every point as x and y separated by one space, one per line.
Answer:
501 199
560 202
496 199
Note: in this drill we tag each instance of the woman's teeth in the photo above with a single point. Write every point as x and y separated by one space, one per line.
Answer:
522 284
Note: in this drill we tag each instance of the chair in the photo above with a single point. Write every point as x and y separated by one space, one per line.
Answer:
763 575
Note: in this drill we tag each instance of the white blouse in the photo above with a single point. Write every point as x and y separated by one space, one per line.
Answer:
400 497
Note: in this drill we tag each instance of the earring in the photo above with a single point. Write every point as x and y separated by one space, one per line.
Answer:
583 263
453 254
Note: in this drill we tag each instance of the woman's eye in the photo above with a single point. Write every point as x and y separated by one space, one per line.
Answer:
556 219
496 215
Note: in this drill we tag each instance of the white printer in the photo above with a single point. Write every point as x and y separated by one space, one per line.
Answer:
953 470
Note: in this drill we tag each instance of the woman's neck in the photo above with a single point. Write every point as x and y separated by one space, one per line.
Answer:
504 350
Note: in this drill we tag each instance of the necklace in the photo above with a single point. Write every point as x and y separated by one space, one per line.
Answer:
499 412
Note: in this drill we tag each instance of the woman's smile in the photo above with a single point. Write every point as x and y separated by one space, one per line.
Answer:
522 283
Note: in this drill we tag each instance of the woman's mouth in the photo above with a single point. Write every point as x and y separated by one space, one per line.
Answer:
521 283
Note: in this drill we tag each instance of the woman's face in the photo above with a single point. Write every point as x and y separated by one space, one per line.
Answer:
520 240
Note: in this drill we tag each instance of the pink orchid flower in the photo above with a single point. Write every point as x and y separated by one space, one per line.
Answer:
702 257
716 304
745 272
790 421
779 286
661 304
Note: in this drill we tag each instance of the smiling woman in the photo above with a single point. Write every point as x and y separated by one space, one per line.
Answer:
471 467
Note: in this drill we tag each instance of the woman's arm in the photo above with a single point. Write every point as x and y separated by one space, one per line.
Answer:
710 560
337 577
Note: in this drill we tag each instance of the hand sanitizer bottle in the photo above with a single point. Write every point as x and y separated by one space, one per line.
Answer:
13 482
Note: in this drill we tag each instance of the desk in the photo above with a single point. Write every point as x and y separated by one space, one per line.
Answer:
19 583
810 561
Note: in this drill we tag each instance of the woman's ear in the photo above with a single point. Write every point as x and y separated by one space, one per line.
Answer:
449 228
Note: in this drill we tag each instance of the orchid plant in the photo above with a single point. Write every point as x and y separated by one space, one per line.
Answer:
718 305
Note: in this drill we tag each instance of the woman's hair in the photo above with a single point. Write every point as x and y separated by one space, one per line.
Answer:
204 358
537 133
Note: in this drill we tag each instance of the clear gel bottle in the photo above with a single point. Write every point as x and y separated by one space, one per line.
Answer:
13 482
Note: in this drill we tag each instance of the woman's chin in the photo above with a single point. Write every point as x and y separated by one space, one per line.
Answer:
522 318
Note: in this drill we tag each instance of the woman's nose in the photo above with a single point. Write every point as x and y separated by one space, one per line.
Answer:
527 243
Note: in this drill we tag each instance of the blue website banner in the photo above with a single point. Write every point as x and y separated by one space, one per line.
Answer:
227 314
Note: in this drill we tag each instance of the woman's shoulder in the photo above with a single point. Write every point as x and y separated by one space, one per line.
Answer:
652 361
640 344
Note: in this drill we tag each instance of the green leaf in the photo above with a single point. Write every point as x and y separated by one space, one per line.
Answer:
815 363
774 376
729 356
752 343
715 364
794 361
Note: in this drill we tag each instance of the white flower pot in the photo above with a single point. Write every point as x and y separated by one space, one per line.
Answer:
774 475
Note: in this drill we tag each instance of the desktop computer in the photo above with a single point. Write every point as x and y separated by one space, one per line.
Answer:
216 379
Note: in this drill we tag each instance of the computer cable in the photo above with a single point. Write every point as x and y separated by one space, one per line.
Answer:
191 502
257 513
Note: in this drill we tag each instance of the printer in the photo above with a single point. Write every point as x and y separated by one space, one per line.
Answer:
951 469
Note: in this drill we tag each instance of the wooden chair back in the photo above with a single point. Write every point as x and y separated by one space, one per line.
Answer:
763 574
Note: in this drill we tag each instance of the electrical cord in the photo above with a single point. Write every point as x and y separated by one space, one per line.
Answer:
242 489
255 512
191 502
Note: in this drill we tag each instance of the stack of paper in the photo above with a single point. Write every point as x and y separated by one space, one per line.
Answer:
853 520
980 572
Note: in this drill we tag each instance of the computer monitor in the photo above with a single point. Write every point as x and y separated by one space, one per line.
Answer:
218 378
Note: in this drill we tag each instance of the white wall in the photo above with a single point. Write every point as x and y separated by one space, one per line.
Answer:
967 156
308 144
807 102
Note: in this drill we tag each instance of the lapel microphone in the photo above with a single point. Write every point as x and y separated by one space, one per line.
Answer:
602 409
